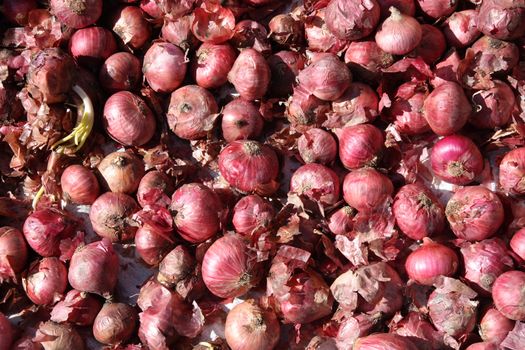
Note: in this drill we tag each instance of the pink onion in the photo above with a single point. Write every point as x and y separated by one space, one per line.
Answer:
367 189
121 172
447 69
176 266
360 145
437 8
111 214
152 185
517 243
152 245
398 34
367 58
407 109
213 23
164 67
46 281
78 308
54 336
319 38
115 323
352 20
384 341
317 146
241 120
76 13
512 171
79 184
359 104
460 28
489 56
131 26
430 261
432 45
502 19
7 333
305 110
341 221
252 213
494 327
13 252
251 34
493 106
250 75
317 182
91 46
212 63
284 68
178 32
508 294
120 71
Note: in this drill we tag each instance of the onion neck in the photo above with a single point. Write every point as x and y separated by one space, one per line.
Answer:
77 6
395 14
456 169
252 148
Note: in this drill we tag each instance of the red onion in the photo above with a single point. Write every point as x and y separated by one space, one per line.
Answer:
76 13
341 222
46 281
305 110
352 20
176 266
418 212
447 69
173 9
79 184
407 109
456 159
78 308
367 189
367 57
54 336
251 34
192 112
508 294
121 172
197 212
250 75
319 37
517 243
437 8
284 68
430 261
317 182
384 341
447 108
398 34
474 213
121 71
494 327
252 213
17 11
99 261
128 119
241 120
317 146
460 28
502 19
131 26
212 63
512 171
483 346
164 67
178 32
115 323
152 185
286 31
327 78
408 7
13 252
7 333
249 326
249 166
492 55
359 104
111 214
494 106
91 46
360 145
213 23
152 245
484 262
229 268
432 45
46 230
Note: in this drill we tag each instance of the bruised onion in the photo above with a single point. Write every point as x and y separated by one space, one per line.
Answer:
92 45
229 268
474 213
360 145
252 213
46 281
508 294
177 265
241 120
250 74
494 327
341 221
398 34
120 71
317 146
493 106
249 326
319 38
164 67
99 261
17 11
437 8
121 172
131 26
284 68
178 32
352 20
212 63
79 184
317 182
517 243
213 23
430 261
115 323
367 189
152 185
460 28
502 19
78 308
13 252
512 172
54 336
7 333
384 341
249 166
305 110
192 112
76 13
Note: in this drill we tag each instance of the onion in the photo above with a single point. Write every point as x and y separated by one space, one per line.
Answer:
360 145
482 346
517 243
91 46
121 172
128 119
305 110
173 9
79 184
151 8
407 109
76 13
432 45
494 327
241 120
319 37
418 212
251 34
284 68
7 333
474 213
99 261
493 56
13 252
317 182
359 104
398 34
383 341
178 32
26 343
152 185
250 74
111 214
512 171
367 58
494 106
509 296
152 244
115 323
197 212
249 166
176 266
120 71
164 67
484 262
437 8
286 31
317 146
408 7
213 23
212 63
48 230
502 19
78 308
131 26
54 336
327 78
46 281
367 189
460 28
341 221
430 261
456 159
229 268
352 20
249 326
192 112
447 69
447 108
252 213
17 12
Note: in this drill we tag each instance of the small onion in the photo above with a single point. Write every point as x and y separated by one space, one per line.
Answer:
152 244
229 269
7 333
252 213
341 222
502 19
151 185
250 75
508 294
432 45
54 336
317 146
91 46
46 281
212 63
78 308
398 34
437 8
13 252
430 261
241 120
17 12
494 327
460 28
317 182
115 323
76 13
367 58
360 145
121 172
131 26
120 71
352 20
164 67
384 341
367 189
79 184
494 106
517 243
284 68
407 110
249 326
359 104
178 32
177 265
319 38
512 172
474 213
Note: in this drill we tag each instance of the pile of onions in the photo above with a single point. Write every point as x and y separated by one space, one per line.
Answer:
317 182
430 261
367 189
252 213
13 252
317 146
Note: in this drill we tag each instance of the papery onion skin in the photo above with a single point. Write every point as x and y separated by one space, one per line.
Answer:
99 261
252 213
212 63
517 243
494 327
430 261
437 8
131 26
121 172
398 34
79 184
460 28
17 11
151 8
317 182
508 294
317 146
503 20
318 37
447 69
164 67
249 326
54 336
285 30
111 214
179 32
512 172
407 112
192 112
384 341
176 266
152 245
352 20
120 71
78 308
214 26
241 120
341 221
78 13
360 145
494 106
494 55
284 68
91 46
154 180
418 212
359 104
250 74
7 333
13 252
115 323
474 213
46 281
367 57
305 110
367 189
456 159
251 34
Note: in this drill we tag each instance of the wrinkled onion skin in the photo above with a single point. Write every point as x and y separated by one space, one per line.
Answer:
359 104
317 146
352 20
517 243
460 28
79 184
341 221
179 32
164 67
512 172
508 294
54 336
384 341
502 19
13 252
367 189
78 308
495 106
115 323
452 312
360 145
176 266
250 74
212 63
430 261
494 327
78 13
319 37
408 116
368 57
120 71
46 281
7 333
131 26
317 182
251 213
